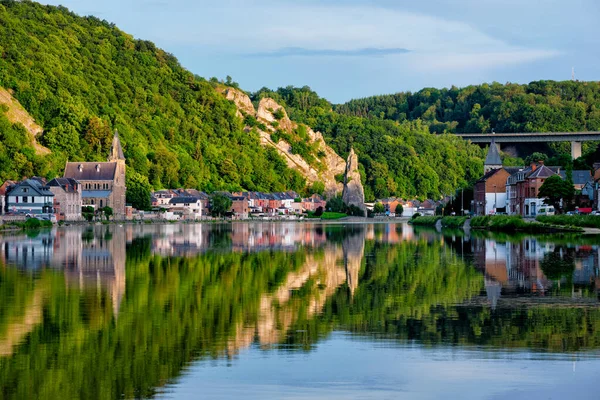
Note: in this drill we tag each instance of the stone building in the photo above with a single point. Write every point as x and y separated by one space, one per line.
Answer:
67 198
102 183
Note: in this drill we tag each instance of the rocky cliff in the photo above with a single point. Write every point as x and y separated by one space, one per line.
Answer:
273 118
353 193
17 114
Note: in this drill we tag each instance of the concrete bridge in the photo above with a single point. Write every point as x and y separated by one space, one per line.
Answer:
574 137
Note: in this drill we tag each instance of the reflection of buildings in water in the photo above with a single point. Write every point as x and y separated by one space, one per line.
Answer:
102 262
516 267
30 253
390 233
90 257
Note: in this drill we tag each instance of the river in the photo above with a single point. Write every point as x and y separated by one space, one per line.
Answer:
296 311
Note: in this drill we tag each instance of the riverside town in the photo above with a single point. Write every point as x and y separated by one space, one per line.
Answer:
295 200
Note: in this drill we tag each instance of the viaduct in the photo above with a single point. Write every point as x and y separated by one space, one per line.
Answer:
574 137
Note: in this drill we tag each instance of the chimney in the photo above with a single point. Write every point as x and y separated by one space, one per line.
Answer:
80 167
97 167
533 166
541 162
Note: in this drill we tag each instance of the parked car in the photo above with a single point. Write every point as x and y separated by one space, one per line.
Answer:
547 210
595 213
571 213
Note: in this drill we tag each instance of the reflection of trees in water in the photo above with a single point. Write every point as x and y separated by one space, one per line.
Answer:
559 263
178 309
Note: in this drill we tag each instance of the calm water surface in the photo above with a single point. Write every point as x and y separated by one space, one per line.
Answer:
298 311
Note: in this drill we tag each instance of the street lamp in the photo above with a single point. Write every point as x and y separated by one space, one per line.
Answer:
495 204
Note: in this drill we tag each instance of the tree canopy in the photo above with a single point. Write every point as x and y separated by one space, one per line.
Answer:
554 189
82 77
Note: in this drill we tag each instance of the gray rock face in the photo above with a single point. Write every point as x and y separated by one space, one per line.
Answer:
353 193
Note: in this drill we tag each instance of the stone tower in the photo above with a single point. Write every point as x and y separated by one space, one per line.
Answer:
492 160
119 189
353 193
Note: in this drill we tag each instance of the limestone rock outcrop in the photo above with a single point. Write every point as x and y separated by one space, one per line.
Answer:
353 193
329 164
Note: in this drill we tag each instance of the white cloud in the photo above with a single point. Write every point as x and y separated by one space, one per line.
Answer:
264 26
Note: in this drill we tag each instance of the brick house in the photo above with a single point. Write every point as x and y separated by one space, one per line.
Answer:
67 199
522 189
489 192
239 206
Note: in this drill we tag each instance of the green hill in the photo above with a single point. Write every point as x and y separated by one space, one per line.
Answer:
397 158
80 78
542 106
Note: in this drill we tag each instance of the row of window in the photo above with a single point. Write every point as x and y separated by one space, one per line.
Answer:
97 186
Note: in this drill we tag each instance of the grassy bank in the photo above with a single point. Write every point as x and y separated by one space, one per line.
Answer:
453 222
425 220
584 221
31 223
333 215
513 223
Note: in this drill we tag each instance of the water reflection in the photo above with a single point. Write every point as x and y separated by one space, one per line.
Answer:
108 311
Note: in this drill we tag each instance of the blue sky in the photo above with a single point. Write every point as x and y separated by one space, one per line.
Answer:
356 48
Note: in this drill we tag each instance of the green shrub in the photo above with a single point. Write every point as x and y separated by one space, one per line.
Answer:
453 222
32 223
587 221
426 220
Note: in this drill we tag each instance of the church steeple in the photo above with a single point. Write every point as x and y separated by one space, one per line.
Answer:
492 160
116 152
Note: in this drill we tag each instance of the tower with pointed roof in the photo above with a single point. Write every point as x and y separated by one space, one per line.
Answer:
102 183
492 160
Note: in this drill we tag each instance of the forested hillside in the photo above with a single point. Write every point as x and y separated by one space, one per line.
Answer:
81 77
543 106
397 158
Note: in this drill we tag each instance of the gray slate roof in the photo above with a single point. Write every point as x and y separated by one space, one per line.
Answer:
33 186
95 194
89 172
493 157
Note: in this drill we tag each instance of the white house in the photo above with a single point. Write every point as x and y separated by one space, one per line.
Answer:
30 197
189 207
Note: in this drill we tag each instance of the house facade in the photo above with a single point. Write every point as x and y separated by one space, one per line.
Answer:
67 199
31 197
102 183
3 190
187 207
522 189
489 193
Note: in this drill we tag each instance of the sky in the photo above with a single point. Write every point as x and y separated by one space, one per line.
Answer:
345 49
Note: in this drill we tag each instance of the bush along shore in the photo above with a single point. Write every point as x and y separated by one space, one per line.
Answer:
584 221
505 223
425 220
514 223
30 224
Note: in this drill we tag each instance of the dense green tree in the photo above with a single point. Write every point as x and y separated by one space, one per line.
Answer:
220 204
554 189
399 210
378 208
107 212
138 191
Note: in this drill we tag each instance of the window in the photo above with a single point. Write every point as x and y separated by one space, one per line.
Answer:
25 199
25 190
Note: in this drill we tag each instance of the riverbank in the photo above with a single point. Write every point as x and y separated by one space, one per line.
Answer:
497 223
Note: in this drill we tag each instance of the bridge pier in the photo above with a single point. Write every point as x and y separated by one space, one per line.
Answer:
575 150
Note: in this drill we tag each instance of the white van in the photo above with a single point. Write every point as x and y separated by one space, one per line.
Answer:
546 210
